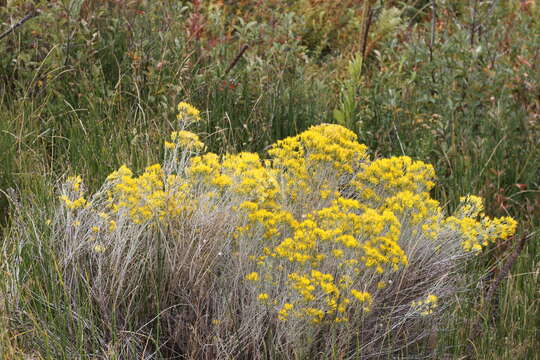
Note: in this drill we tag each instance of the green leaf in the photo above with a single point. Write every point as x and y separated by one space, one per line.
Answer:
339 116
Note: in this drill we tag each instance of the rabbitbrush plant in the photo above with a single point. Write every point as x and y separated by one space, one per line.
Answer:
315 251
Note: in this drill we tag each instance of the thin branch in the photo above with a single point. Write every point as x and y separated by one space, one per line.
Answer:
433 28
233 64
473 25
367 17
29 16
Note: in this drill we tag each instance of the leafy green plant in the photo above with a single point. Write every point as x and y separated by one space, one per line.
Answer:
345 113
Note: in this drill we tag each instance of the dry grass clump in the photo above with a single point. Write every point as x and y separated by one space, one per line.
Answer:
316 251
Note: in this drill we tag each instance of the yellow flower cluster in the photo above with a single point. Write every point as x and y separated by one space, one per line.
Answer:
384 178
204 169
339 239
476 229
329 298
185 140
148 196
369 238
416 209
73 204
72 196
243 174
187 112
250 178
283 313
252 276
425 306
321 154
74 182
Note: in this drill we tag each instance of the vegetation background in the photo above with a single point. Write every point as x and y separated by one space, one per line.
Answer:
86 86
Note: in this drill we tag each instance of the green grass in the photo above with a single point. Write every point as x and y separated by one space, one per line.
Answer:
83 94
508 326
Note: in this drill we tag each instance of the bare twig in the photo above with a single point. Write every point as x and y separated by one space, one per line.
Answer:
473 25
29 16
367 15
240 53
432 38
433 28
489 15
492 7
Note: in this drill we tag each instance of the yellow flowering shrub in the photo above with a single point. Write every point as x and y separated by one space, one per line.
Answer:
327 226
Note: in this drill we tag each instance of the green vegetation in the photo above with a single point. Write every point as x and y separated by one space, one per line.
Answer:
87 86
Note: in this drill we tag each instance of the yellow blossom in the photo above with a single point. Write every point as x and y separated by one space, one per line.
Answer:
112 225
252 276
99 248
169 145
